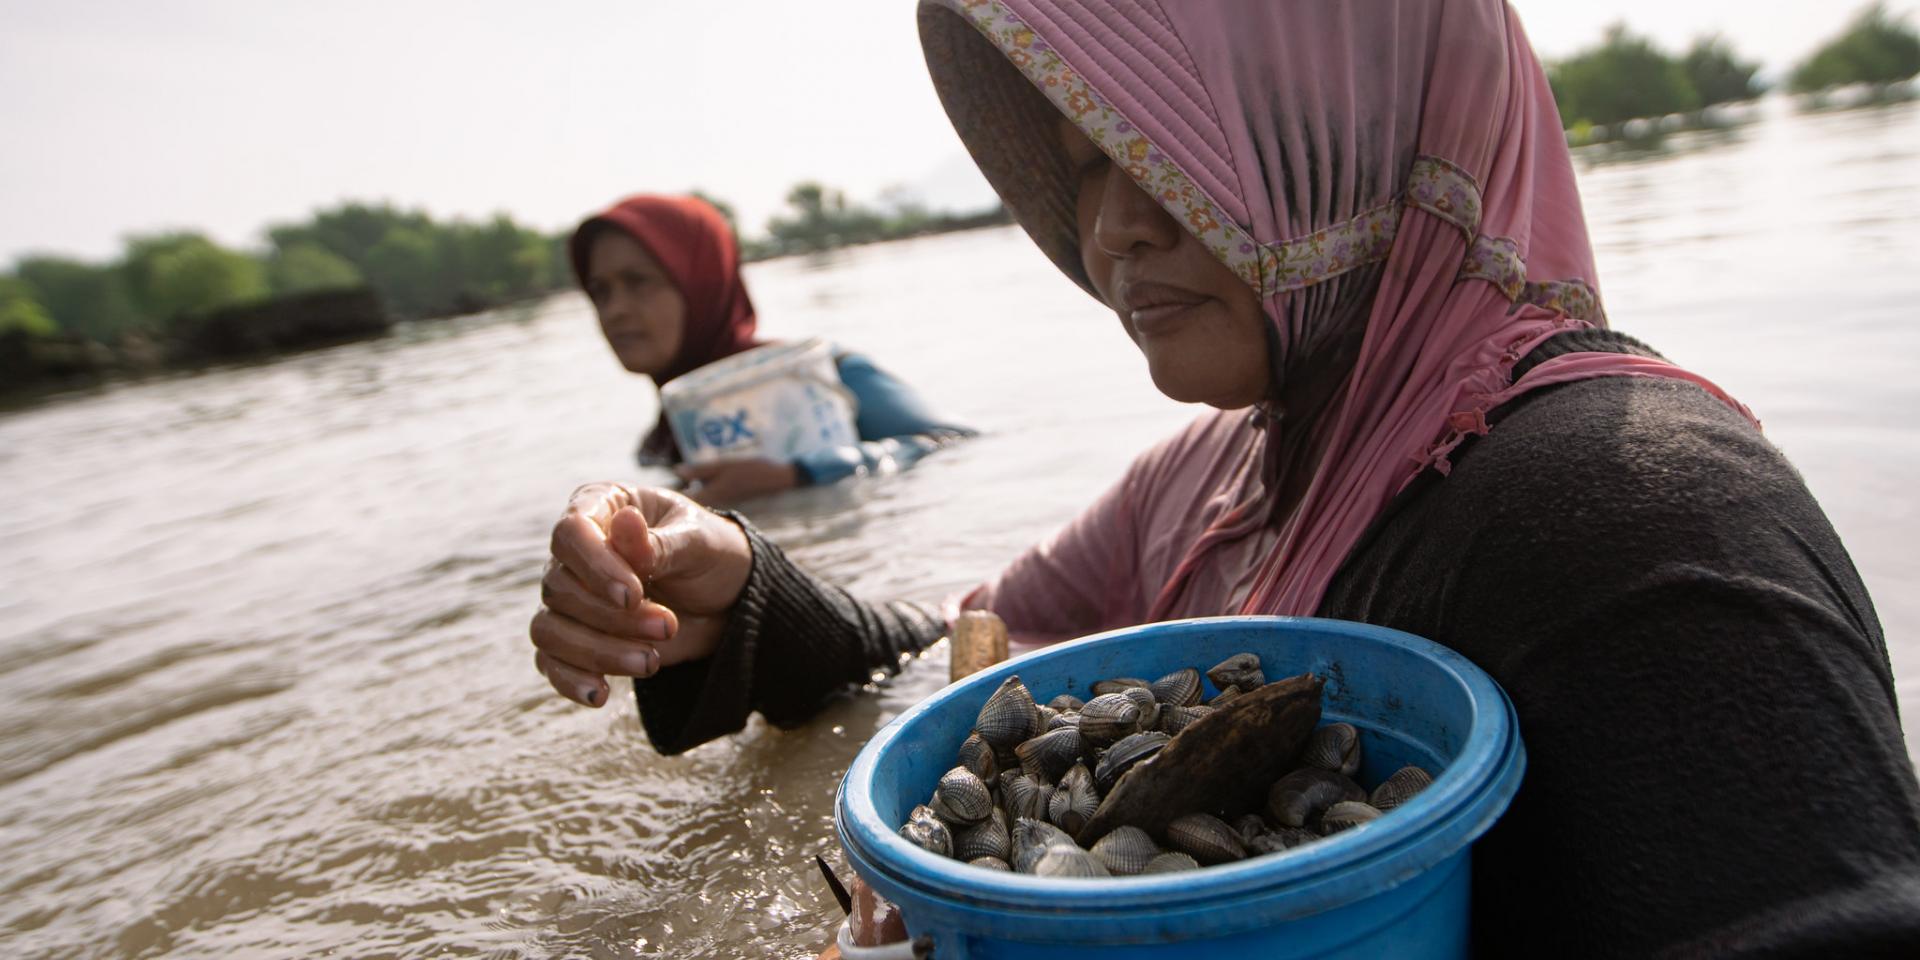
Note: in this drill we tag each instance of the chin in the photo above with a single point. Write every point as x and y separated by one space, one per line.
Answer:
1197 383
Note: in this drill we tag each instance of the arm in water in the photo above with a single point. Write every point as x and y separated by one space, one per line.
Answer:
897 428
716 622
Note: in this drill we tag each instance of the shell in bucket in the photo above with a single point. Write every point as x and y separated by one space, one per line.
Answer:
1398 886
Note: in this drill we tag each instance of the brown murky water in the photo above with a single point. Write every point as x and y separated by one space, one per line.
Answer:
264 682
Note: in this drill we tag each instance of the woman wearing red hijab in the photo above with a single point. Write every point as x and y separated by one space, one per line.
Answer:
664 277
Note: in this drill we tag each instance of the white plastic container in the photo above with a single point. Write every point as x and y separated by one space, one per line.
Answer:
780 401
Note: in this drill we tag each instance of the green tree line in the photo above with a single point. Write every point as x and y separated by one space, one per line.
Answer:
418 266
1626 76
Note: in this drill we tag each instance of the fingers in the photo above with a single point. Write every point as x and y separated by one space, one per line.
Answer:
585 649
567 595
577 685
580 543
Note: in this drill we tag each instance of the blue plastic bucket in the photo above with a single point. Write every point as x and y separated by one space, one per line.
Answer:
1397 887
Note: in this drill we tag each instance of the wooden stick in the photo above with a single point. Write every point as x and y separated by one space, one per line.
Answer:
979 642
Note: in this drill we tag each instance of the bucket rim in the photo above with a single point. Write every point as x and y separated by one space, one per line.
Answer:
1461 804
742 369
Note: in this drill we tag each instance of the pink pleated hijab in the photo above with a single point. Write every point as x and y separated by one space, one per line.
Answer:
1411 145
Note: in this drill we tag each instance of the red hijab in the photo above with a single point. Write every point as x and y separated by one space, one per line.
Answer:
694 245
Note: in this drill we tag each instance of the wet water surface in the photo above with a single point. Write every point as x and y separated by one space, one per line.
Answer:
265 687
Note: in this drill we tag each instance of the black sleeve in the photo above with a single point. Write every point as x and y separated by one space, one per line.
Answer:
792 644
1716 766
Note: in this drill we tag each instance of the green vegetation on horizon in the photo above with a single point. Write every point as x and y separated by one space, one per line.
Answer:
1874 49
1627 77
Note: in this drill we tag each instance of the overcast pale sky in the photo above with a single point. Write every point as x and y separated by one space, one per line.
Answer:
227 115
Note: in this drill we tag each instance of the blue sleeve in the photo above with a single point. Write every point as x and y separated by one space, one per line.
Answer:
896 427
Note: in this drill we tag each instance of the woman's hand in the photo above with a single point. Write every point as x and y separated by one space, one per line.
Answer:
640 579
731 481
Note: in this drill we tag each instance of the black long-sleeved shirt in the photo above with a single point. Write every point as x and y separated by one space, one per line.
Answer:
1715 760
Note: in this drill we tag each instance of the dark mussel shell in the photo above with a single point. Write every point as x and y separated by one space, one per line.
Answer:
1125 755
1297 798
1240 670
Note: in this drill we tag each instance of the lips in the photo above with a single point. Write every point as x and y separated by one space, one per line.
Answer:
1153 307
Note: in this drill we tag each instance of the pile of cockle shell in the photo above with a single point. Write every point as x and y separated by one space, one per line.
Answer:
1031 778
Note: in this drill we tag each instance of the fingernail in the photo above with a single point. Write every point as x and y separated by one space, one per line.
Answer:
654 628
593 696
618 594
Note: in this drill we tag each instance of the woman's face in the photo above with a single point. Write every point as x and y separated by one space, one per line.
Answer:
642 313
1199 325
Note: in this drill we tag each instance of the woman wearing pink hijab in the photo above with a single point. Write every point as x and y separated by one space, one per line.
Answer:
1353 229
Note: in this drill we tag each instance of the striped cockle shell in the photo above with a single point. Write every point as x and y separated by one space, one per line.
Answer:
1124 755
990 863
1206 838
924 830
1109 717
1180 688
1117 685
1175 719
1050 754
1240 670
988 838
1061 720
1073 801
1008 716
1346 815
1066 703
1335 747
1125 851
1066 860
1400 787
1224 697
1027 797
1149 706
976 754
1172 861
1298 797
961 798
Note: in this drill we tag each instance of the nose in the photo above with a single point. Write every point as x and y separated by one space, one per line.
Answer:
1129 221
